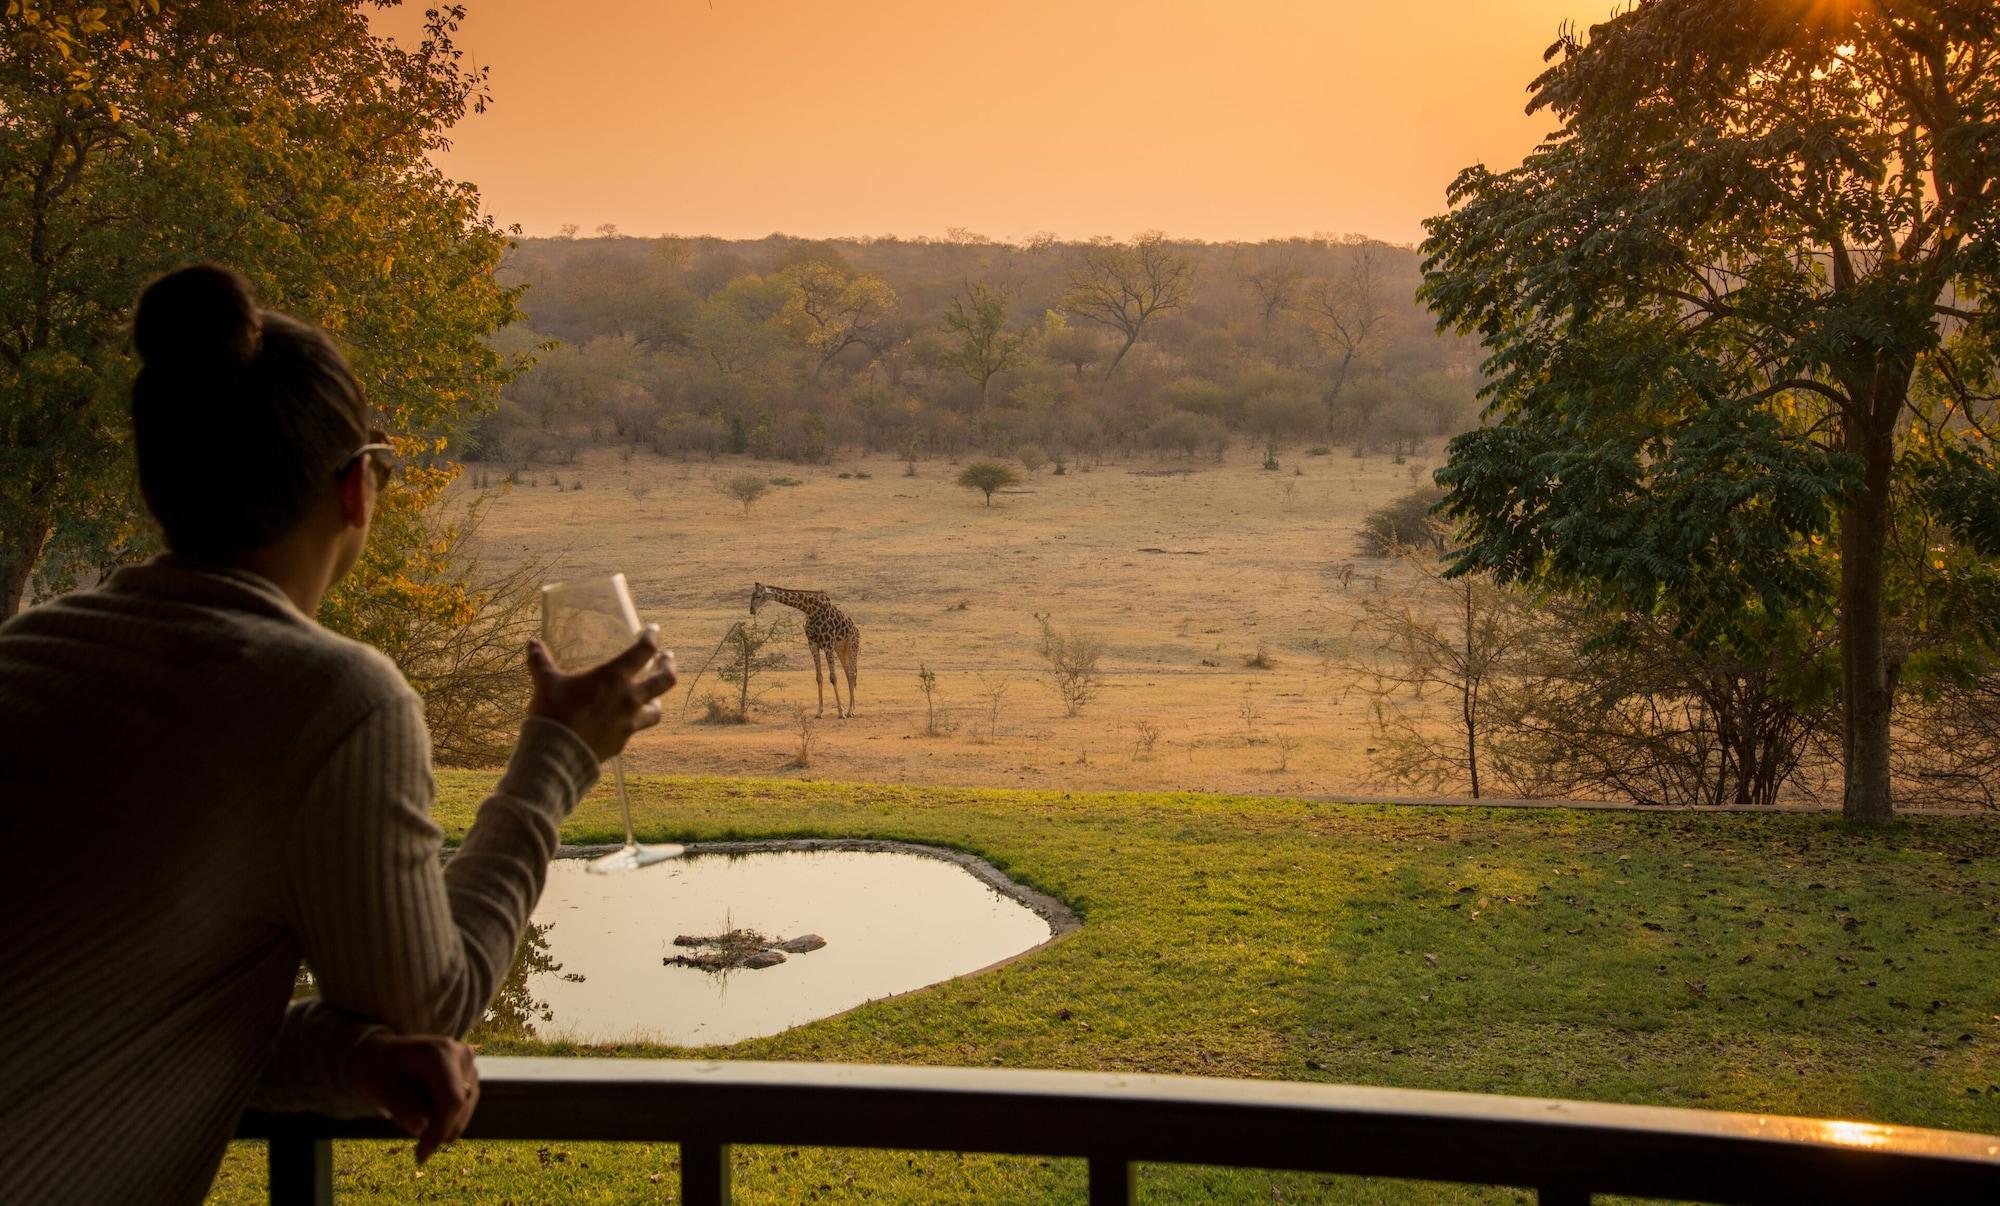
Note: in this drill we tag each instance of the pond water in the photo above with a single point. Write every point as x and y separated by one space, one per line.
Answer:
591 969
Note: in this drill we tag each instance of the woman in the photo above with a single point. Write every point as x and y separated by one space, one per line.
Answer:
249 789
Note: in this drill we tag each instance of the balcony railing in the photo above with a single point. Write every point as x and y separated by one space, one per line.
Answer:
1564 1150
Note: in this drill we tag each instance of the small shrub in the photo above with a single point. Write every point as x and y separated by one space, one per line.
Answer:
937 722
863 474
1286 744
1404 524
1032 457
1260 660
745 488
786 481
808 736
844 476
576 485
1250 714
988 476
1319 450
992 696
1148 737
1071 659
716 710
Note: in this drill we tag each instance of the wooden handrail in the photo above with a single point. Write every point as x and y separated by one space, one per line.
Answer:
1566 1150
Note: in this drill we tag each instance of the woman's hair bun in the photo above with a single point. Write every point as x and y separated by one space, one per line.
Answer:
197 316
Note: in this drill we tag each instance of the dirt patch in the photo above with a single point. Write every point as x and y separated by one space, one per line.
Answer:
898 554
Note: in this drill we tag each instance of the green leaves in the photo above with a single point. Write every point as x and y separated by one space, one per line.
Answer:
283 139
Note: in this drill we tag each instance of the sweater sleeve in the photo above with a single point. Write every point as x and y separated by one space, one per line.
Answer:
308 1066
389 933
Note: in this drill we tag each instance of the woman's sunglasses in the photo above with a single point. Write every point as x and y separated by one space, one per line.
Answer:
379 453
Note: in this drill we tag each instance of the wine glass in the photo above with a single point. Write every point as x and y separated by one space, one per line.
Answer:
586 623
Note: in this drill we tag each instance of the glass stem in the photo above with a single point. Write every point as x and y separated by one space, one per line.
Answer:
624 806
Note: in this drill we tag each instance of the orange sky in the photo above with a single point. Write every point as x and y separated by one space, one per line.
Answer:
1213 119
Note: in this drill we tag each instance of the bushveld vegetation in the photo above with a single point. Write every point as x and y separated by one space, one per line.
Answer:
792 349
1743 348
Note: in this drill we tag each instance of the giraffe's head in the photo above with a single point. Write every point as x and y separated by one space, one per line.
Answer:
758 593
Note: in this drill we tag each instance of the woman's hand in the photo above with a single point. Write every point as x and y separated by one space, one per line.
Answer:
427 1083
606 705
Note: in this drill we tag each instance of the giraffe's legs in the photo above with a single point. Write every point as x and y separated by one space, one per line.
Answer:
819 680
850 660
833 676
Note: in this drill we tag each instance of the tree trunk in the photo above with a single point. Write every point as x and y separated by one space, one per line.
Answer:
1469 698
1113 366
1867 686
18 555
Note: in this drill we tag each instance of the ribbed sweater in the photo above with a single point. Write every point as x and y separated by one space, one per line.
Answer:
199 787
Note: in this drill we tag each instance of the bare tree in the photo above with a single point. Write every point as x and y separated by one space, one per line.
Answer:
1122 286
1276 285
1459 636
1344 312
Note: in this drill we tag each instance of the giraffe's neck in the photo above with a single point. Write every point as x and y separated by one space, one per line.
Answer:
805 600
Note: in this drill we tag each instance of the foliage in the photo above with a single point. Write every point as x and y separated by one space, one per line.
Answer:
986 347
466 661
1727 306
829 309
1404 525
747 654
745 488
285 140
937 720
1626 709
1070 658
988 476
687 346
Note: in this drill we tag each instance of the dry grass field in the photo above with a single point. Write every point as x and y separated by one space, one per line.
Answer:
1184 571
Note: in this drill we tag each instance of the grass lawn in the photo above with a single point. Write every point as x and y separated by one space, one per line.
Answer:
1774 963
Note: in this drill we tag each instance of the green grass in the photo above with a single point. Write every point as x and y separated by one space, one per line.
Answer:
1779 963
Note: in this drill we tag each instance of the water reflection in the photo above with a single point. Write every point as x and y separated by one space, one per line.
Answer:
515 1009
592 969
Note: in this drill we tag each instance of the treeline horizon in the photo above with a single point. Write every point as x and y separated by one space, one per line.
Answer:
794 349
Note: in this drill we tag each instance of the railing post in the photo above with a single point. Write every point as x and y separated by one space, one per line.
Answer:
704 1173
1111 1181
301 1170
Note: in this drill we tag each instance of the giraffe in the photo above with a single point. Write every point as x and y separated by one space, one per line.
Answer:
828 631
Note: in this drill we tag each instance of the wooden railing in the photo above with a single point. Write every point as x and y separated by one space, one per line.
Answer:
1564 1150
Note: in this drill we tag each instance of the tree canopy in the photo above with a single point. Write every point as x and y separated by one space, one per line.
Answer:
286 140
1740 367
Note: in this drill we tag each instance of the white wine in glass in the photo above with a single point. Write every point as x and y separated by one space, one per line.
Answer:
585 624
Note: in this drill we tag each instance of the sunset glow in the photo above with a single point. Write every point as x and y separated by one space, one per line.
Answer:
908 117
